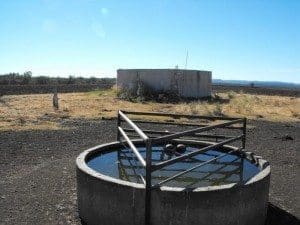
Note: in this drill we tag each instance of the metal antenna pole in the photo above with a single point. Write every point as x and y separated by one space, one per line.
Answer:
186 59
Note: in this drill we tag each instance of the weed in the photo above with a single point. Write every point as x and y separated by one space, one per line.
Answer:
295 114
22 121
66 109
193 108
231 94
218 111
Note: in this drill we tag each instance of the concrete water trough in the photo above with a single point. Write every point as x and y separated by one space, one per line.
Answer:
172 177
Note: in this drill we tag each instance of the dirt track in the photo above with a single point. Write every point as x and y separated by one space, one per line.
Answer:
37 169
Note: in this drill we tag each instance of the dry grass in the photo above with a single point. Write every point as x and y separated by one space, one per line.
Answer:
22 112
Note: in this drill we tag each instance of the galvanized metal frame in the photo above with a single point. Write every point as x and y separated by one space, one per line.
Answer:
124 168
169 136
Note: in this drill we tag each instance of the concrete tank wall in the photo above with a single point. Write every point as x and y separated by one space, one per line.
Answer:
187 83
110 201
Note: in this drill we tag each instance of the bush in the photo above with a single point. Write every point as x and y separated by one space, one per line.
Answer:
42 80
231 94
27 79
142 92
193 108
218 111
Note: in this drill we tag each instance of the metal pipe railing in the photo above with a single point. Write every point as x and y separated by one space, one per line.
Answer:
181 124
146 164
191 154
201 129
172 136
135 127
180 115
131 166
168 132
197 166
134 149
148 181
244 132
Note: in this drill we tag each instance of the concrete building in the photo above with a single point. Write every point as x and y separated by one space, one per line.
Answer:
186 83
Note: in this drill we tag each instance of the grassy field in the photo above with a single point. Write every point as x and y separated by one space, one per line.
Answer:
23 112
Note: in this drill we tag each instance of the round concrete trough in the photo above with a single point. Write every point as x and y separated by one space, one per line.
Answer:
109 201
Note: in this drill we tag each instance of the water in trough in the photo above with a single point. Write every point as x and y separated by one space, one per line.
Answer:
122 164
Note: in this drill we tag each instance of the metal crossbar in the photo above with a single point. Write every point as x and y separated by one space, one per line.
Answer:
135 127
181 124
168 132
166 136
193 131
134 149
197 166
130 166
178 115
191 154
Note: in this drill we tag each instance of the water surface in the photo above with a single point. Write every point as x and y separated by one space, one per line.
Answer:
122 164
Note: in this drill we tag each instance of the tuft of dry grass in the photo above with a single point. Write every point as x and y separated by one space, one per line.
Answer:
23 112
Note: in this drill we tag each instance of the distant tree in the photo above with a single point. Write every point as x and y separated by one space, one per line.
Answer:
4 80
61 80
252 84
27 73
92 80
27 77
12 78
81 80
107 80
42 80
71 79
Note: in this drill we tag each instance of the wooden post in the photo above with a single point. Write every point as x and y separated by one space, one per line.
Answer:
55 100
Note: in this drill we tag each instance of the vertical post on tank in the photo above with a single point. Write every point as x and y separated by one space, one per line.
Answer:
148 182
118 125
242 170
244 132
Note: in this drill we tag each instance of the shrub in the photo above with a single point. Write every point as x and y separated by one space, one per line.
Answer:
231 94
143 92
42 80
193 108
218 111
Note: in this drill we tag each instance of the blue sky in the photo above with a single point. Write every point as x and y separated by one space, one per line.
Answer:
249 40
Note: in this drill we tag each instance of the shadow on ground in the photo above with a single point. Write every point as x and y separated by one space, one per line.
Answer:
278 216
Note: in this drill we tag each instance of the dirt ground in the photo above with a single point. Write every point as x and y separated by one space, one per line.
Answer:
37 169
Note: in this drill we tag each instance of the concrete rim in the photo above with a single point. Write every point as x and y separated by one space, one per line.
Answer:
82 165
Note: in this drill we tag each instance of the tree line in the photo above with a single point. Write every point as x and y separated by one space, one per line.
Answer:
27 79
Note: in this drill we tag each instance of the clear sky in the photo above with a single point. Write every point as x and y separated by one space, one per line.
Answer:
249 40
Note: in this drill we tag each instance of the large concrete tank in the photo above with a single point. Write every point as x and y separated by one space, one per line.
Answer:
185 83
106 197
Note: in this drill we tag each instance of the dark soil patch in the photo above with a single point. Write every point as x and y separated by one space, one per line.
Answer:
37 170
257 90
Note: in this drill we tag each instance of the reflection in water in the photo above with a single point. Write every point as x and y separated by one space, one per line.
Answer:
124 165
